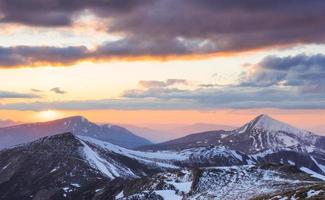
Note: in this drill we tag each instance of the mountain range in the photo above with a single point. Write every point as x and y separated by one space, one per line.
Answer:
264 159
261 134
7 122
165 132
78 125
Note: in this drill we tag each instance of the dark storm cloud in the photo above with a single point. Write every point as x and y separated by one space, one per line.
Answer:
200 27
229 25
54 13
32 56
306 73
16 95
29 56
182 27
137 46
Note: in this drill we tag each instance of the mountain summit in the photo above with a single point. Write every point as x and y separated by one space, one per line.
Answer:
265 122
264 132
77 125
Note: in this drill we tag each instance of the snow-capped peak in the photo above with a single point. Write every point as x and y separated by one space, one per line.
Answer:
268 133
270 124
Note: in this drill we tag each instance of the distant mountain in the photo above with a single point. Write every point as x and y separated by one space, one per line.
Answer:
200 127
23 133
67 166
206 139
7 122
149 133
165 132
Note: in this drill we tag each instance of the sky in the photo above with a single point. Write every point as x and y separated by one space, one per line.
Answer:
163 61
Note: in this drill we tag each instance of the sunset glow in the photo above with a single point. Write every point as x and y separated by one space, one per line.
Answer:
162 99
150 68
48 115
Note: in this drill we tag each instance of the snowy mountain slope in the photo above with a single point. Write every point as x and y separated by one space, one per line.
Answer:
156 159
63 166
212 156
265 133
314 162
202 156
66 166
312 192
230 165
64 162
262 140
14 135
261 134
50 168
244 182
221 183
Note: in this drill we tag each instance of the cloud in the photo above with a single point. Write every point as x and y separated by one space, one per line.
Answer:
35 90
164 28
162 84
58 90
292 82
303 72
7 122
16 95
54 13
36 56
109 104
167 95
200 99
210 85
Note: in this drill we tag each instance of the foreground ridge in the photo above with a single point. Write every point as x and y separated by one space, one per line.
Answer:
66 166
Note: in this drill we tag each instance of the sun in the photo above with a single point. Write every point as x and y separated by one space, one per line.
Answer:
48 115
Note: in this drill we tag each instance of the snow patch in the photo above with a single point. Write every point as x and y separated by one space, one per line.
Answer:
312 173
75 185
96 161
5 167
53 170
66 189
98 190
168 195
312 193
181 186
120 195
